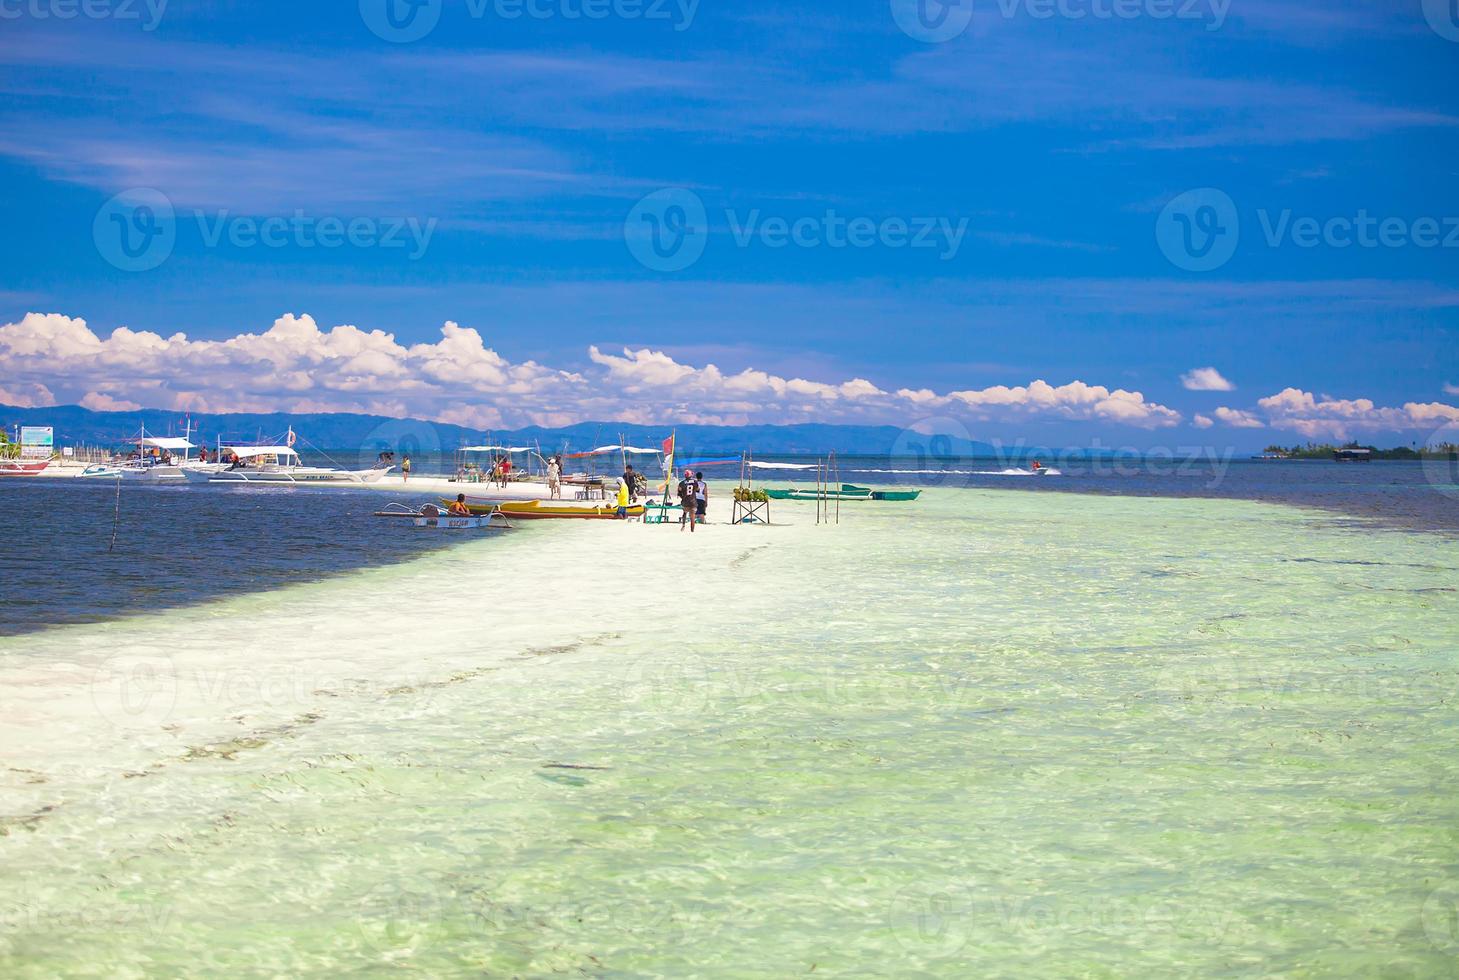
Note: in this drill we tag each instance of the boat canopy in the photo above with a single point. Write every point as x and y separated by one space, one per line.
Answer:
756 464
497 449
605 450
250 452
169 444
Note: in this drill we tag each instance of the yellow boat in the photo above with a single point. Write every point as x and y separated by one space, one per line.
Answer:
539 509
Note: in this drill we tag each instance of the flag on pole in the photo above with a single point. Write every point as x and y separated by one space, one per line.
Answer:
668 448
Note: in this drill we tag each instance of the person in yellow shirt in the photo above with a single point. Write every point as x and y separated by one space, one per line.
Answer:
458 507
622 498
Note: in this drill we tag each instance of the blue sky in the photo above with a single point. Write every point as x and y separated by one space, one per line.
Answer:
502 156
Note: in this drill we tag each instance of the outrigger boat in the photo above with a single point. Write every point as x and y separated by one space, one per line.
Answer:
146 468
531 510
432 516
22 467
847 491
276 465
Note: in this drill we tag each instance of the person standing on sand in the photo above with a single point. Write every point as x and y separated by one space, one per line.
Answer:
622 500
701 497
405 470
554 478
630 478
687 501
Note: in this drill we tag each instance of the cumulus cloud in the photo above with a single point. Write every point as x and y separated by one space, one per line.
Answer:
1075 401
1202 421
1338 418
1451 389
1205 379
1237 418
99 402
28 395
295 366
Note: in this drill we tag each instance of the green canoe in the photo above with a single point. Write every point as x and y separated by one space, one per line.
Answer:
895 494
847 492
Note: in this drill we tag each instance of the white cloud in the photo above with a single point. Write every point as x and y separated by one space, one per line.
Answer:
1202 422
1451 389
1337 418
28 395
98 402
1205 379
1237 418
1075 400
294 366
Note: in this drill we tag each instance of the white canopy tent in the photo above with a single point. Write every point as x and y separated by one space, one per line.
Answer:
172 444
253 452
604 450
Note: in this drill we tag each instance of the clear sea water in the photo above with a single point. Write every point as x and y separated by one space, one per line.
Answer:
991 733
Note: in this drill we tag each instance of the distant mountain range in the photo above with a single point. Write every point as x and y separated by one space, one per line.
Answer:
77 426
366 435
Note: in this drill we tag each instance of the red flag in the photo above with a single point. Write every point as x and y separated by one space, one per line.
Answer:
669 446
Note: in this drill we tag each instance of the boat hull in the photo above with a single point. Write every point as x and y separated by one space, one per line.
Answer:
23 467
294 476
454 523
846 492
895 494
532 510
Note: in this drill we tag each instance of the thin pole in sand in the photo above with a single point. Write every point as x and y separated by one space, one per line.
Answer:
116 517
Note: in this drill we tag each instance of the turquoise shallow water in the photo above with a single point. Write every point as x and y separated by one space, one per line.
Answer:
992 733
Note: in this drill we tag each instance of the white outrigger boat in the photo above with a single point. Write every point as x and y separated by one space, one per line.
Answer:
432 516
146 468
274 466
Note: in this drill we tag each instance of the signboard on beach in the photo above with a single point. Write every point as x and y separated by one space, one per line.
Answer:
37 441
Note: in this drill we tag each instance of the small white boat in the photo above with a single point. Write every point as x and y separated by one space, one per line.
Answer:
432 516
144 467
